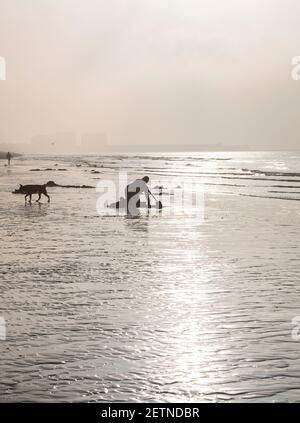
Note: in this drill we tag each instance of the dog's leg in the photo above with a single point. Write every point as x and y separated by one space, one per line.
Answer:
30 197
39 197
48 196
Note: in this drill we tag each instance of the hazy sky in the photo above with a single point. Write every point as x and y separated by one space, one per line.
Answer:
152 71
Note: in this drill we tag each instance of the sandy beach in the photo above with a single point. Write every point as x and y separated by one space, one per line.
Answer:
160 307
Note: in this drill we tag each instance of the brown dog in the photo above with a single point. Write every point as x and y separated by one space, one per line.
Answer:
28 190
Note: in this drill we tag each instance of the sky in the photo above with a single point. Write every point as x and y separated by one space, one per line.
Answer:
150 72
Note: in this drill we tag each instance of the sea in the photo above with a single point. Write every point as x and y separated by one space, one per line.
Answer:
196 302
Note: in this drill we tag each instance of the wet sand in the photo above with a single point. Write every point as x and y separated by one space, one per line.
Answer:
162 307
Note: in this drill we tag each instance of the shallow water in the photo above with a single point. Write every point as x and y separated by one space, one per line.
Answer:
176 305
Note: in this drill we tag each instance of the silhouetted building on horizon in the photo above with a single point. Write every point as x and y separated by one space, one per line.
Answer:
59 142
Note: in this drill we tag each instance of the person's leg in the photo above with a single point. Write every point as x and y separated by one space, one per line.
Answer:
128 198
132 202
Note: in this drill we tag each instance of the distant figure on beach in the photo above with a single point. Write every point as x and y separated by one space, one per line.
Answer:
133 192
8 156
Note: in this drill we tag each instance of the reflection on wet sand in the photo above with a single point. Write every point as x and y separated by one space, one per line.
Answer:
156 307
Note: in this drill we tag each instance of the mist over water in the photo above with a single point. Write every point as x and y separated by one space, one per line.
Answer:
147 73
161 307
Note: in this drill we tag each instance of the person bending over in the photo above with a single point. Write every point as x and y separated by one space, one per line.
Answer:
133 192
